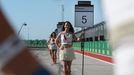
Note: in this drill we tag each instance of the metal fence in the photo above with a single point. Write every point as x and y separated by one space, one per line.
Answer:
36 43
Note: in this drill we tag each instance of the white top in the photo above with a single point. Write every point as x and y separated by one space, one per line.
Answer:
66 38
52 41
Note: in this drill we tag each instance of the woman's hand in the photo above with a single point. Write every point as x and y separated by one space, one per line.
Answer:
62 48
78 39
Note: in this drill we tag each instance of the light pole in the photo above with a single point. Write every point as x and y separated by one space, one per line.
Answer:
28 41
24 24
28 33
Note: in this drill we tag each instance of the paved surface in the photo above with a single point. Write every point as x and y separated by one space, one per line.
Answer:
91 66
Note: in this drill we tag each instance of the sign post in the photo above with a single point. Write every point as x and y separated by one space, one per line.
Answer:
84 17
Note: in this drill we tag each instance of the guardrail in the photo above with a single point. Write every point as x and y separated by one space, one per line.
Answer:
95 47
36 43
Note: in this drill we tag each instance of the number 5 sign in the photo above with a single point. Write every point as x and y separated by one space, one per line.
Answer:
84 16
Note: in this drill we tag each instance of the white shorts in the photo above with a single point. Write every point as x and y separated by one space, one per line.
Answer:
66 54
53 46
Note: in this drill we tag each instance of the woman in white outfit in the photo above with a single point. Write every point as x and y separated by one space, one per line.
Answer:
66 37
52 47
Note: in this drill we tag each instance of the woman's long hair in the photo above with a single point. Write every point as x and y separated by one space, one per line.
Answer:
71 29
53 34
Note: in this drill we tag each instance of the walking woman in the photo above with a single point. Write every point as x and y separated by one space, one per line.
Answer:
66 37
52 47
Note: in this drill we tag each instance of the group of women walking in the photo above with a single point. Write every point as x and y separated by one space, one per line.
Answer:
63 43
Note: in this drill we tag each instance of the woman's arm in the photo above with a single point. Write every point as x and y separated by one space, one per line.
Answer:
57 40
82 35
78 39
74 37
48 43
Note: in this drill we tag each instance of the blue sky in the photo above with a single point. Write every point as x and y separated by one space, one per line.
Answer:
42 16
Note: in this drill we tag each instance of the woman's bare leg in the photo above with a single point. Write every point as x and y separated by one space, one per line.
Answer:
65 68
69 67
55 56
